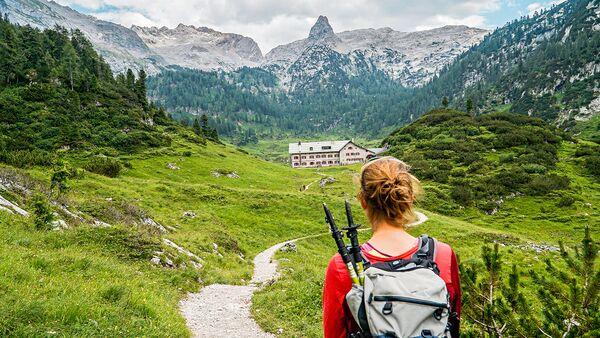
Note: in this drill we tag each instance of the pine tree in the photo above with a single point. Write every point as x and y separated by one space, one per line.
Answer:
140 88
70 60
204 125
130 79
196 127
470 105
60 175
445 102
570 296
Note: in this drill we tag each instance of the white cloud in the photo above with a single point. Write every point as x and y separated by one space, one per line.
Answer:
273 22
534 7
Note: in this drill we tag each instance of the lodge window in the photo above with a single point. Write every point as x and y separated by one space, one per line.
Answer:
318 156
295 157
311 156
303 157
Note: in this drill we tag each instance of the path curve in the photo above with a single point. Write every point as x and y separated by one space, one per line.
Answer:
221 310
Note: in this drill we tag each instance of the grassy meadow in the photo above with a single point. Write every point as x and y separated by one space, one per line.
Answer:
89 281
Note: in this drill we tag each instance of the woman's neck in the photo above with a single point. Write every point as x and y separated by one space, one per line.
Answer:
391 239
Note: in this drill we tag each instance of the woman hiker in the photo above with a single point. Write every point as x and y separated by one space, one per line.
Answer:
387 193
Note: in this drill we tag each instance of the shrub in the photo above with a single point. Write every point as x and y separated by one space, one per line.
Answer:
42 213
106 166
187 153
565 201
586 150
60 175
532 168
543 184
462 194
592 164
458 173
26 158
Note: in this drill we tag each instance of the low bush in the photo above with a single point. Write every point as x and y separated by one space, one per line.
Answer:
543 184
462 194
565 201
27 158
592 164
532 168
42 212
106 166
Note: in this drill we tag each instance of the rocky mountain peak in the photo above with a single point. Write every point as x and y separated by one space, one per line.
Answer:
321 30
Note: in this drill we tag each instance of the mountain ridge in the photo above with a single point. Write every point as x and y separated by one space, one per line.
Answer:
412 62
411 58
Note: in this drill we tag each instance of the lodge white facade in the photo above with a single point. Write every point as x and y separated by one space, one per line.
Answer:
328 153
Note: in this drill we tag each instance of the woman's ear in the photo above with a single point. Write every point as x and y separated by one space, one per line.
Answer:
363 203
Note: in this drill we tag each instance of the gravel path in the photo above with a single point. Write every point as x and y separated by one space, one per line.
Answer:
220 310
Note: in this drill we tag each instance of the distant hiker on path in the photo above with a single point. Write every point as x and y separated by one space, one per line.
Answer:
411 286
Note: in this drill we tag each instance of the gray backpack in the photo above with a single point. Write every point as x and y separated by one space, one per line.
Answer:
402 298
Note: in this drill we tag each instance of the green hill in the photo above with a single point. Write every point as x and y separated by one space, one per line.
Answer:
536 65
56 92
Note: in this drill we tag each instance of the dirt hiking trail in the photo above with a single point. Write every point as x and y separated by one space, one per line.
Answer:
221 310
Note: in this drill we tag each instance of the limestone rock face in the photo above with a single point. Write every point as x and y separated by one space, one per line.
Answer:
201 47
412 58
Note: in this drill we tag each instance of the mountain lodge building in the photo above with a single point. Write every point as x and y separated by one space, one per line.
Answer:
329 153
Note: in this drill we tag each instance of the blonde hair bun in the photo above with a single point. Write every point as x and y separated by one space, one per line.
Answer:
389 190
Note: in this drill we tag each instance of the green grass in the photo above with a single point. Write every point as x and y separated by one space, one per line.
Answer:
68 284
588 130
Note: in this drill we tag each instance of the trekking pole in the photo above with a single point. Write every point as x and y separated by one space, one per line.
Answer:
338 236
352 234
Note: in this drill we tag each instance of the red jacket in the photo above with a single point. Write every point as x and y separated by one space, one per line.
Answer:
337 319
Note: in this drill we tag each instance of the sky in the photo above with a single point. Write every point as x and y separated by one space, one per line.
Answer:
274 22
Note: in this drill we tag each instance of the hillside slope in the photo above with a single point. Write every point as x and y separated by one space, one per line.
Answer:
544 66
56 92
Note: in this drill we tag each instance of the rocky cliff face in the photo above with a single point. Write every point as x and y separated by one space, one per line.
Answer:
201 47
121 47
411 58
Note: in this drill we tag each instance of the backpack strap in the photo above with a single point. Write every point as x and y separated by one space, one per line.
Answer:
427 248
